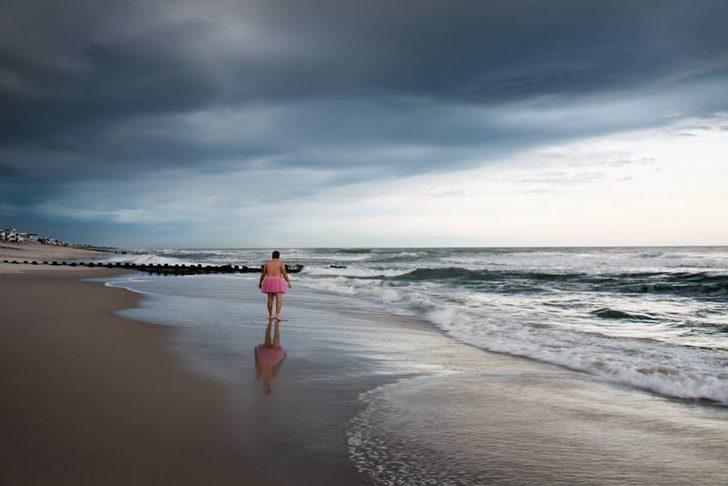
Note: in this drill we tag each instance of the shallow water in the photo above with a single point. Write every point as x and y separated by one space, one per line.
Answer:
655 318
393 398
534 428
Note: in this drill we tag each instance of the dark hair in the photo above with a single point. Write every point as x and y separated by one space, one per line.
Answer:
276 254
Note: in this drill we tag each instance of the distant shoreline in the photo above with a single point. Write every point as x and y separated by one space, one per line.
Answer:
37 251
362 248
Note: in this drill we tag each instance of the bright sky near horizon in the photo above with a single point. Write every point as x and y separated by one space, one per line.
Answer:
234 124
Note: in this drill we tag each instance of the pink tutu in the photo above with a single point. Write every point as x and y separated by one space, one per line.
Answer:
274 285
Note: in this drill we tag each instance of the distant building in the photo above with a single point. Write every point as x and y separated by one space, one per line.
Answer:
9 234
14 236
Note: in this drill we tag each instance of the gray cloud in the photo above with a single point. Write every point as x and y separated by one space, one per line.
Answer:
108 93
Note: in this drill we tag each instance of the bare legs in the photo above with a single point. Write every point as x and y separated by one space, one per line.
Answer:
279 304
270 306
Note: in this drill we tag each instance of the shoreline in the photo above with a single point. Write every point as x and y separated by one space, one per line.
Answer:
399 391
90 397
156 382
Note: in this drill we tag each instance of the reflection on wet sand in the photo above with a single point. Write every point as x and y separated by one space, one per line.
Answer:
269 356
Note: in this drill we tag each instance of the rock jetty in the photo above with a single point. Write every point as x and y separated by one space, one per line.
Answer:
159 269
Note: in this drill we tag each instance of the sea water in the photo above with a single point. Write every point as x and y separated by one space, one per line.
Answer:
651 318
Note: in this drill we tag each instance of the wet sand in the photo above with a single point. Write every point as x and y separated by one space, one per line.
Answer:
433 410
362 397
92 398
545 427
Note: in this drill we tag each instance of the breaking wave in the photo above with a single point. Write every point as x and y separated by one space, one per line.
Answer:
656 319
699 284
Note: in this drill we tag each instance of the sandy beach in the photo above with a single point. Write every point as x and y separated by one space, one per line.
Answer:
92 398
36 251
161 386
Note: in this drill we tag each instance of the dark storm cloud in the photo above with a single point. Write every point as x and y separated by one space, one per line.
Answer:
71 65
110 90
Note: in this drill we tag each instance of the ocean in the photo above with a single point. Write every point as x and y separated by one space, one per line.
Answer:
651 318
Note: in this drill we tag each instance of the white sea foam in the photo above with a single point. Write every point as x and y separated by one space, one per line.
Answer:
414 432
504 300
145 258
684 372
127 284
678 371
354 272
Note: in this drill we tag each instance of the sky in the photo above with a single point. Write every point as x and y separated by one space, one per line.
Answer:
377 123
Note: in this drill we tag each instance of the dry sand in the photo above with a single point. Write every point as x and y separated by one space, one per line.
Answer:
92 398
37 251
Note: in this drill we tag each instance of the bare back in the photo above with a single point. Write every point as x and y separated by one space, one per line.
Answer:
275 267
